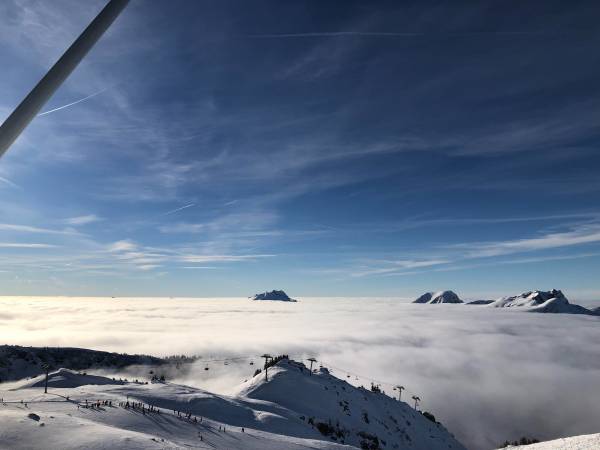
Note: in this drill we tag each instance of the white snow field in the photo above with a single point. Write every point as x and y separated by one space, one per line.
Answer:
292 410
584 442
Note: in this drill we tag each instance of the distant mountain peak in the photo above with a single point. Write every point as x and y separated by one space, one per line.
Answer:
552 301
540 297
278 295
439 297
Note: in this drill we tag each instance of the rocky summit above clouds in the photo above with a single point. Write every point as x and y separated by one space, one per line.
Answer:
480 302
274 295
438 297
553 301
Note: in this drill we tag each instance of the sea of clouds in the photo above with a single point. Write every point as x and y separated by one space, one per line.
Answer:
487 374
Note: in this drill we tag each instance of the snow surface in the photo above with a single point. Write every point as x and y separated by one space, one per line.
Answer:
274 295
284 413
438 297
583 442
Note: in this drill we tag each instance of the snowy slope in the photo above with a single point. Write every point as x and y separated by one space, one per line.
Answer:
359 416
60 420
584 442
552 301
438 297
273 414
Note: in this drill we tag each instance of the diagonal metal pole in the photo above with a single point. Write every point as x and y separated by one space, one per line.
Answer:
41 93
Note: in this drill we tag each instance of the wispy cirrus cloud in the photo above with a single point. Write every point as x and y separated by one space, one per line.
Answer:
469 255
584 234
148 258
33 229
25 245
122 246
397 266
9 182
222 258
83 220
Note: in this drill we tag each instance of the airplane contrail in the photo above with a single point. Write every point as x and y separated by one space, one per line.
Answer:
73 103
330 33
394 34
178 209
10 183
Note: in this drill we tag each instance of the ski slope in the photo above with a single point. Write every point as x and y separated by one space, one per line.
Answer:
290 411
583 442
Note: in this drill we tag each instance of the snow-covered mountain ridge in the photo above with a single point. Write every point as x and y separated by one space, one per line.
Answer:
553 301
292 410
438 297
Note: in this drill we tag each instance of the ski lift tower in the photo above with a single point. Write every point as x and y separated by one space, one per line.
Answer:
417 400
267 357
312 360
400 389
46 368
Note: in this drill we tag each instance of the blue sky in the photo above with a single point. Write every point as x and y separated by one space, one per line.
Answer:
324 148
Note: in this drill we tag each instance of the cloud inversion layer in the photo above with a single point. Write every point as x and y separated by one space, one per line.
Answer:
488 374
